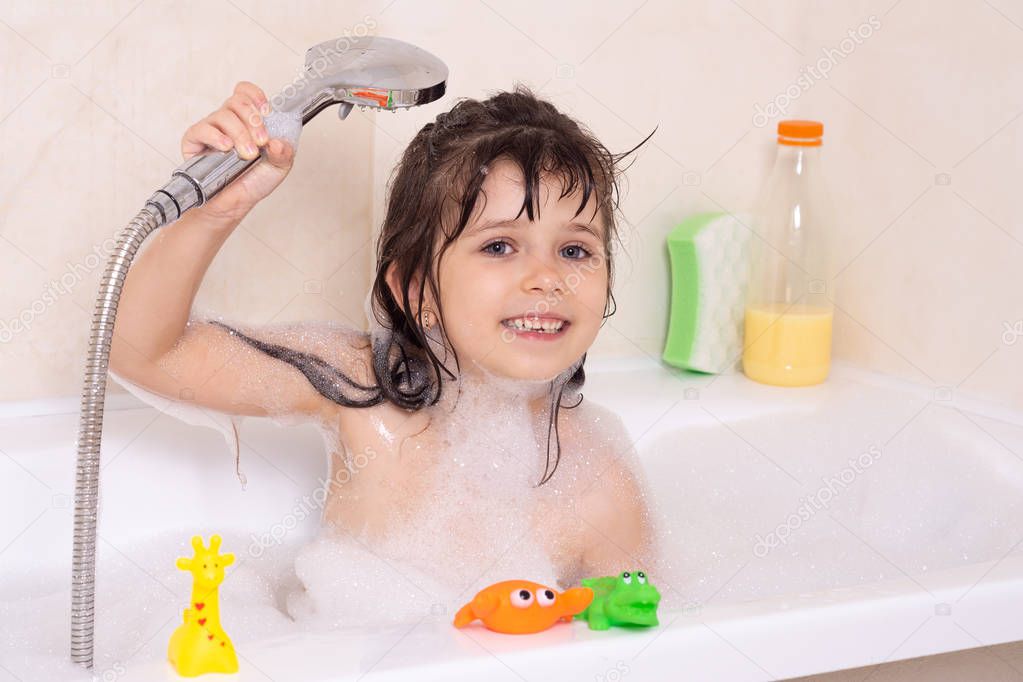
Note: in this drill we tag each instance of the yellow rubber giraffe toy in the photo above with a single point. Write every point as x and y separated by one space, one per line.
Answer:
199 645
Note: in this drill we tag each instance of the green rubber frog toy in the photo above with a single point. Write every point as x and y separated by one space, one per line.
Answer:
624 600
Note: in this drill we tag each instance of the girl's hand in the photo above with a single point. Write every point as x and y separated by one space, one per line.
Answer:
238 124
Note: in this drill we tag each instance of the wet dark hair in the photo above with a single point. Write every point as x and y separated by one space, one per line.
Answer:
437 181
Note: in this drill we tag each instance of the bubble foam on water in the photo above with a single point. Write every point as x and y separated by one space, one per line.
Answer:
473 515
477 526
140 596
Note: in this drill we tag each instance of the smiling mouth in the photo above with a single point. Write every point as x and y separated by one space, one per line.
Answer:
536 326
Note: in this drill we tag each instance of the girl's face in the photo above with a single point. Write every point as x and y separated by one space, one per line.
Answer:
521 299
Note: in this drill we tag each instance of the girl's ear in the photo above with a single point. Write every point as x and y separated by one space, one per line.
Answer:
394 284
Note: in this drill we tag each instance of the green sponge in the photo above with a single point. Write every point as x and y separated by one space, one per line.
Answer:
709 255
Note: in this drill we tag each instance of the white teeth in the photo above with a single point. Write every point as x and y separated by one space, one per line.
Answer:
531 324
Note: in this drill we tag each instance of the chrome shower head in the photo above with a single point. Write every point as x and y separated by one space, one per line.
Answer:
370 71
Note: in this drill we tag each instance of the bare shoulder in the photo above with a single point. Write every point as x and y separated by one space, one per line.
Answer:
593 415
613 502
597 433
597 453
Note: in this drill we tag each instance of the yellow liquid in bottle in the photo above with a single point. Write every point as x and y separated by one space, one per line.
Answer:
787 346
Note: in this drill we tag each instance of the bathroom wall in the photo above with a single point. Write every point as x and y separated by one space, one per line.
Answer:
96 98
921 102
923 139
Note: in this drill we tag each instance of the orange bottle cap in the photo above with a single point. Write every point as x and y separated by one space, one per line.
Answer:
800 133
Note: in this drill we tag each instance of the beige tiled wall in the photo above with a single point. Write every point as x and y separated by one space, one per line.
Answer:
95 102
923 139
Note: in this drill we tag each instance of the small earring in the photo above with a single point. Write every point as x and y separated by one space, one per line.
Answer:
427 317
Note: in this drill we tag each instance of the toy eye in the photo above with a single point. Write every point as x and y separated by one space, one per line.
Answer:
641 577
627 577
521 598
204 566
545 598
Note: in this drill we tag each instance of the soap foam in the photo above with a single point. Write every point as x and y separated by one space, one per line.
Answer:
487 452
475 530
286 125
139 602
480 459
474 527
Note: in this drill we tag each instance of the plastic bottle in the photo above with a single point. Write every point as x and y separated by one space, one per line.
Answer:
789 313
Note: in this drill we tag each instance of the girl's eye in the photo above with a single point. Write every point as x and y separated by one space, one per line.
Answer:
578 251
491 251
572 251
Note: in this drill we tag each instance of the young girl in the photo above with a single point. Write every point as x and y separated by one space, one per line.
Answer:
458 435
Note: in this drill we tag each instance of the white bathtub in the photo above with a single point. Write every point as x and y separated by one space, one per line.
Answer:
916 552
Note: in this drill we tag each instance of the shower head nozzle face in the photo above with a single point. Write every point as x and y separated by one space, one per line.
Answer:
370 71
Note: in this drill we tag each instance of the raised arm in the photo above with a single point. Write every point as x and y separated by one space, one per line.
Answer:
155 344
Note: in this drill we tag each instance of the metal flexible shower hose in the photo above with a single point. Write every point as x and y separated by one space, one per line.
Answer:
90 430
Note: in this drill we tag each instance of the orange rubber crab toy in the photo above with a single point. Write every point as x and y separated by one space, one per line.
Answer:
521 607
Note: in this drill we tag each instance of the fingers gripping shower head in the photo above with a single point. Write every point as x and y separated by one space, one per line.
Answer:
369 72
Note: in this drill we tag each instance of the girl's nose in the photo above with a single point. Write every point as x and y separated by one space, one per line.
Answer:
542 277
